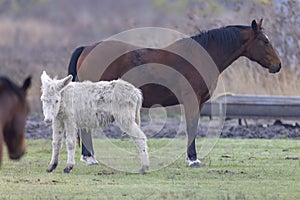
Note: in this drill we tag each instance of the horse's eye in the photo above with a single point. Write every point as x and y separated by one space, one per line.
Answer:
56 101
266 41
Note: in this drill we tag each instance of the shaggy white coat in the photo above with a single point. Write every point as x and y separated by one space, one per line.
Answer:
71 106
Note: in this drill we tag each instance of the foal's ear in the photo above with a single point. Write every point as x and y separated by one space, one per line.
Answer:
64 82
45 77
26 83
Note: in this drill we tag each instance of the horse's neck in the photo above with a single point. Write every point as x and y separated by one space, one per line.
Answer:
228 59
9 103
222 53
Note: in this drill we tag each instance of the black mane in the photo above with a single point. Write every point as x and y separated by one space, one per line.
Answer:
228 38
12 87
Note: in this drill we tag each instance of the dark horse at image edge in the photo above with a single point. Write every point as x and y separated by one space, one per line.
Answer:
13 112
224 45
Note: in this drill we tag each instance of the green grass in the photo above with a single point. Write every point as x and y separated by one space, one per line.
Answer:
234 169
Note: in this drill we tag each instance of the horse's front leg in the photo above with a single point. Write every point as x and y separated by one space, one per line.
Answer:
71 137
192 118
57 136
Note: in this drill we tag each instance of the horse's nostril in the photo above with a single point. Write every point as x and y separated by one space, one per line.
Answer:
279 67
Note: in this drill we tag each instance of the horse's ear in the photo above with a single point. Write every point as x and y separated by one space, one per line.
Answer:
64 82
26 83
260 23
257 26
254 26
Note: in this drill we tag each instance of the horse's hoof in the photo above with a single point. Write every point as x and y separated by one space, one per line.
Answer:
194 163
68 170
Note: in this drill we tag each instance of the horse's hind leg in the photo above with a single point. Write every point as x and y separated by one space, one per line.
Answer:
140 141
192 118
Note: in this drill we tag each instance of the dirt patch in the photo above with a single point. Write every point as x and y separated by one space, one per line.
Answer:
212 171
265 129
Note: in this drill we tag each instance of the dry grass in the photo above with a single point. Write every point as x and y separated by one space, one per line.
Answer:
243 79
43 36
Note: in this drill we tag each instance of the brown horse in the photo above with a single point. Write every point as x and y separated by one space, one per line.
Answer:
224 46
13 111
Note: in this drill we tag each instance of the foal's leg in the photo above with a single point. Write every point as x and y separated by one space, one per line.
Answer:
57 136
141 144
140 141
71 137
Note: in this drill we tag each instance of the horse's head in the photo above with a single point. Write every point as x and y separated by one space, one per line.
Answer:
51 95
14 130
259 48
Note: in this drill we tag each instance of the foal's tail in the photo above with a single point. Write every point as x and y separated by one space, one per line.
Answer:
138 108
73 62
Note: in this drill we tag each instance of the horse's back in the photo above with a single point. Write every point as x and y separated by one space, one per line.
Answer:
95 66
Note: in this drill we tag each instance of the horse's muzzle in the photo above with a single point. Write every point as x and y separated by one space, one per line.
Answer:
275 69
17 155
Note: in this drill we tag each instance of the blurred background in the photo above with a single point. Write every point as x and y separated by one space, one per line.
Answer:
37 35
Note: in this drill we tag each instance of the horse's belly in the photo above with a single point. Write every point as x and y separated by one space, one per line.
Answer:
157 94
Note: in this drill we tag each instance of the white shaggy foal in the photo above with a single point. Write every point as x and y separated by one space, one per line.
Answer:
71 106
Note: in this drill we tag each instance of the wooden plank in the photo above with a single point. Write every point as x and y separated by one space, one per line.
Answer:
246 106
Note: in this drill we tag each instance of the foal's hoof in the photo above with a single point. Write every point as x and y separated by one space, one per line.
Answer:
144 169
194 163
49 170
68 169
51 167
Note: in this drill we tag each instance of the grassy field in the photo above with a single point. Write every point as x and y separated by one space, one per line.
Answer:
234 169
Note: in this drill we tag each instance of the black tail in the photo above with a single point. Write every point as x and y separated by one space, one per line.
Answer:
73 62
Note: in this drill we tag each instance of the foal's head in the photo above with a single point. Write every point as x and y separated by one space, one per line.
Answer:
51 95
259 47
14 124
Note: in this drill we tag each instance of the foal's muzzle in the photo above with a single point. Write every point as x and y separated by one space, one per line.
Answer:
48 121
